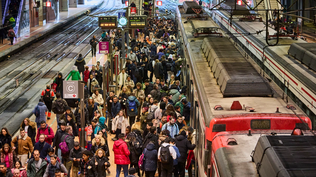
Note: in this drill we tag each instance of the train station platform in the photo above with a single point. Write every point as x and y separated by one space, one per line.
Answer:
51 26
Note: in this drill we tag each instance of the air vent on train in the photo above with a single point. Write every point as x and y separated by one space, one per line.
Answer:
231 141
218 107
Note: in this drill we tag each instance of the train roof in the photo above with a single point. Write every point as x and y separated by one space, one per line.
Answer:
282 154
211 90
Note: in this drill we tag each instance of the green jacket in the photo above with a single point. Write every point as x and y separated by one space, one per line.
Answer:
180 104
75 76
31 169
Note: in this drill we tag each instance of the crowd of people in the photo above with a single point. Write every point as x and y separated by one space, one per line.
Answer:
149 116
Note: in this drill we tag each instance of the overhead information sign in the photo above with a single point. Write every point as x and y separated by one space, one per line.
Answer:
71 89
108 22
137 21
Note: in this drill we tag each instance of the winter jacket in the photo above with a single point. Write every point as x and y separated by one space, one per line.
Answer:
11 157
173 129
135 151
86 75
57 139
59 102
183 145
43 148
124 123
129 83
150 156
50 169
31 169
93 42
78 116
121 153
39 111
75 76
121 78
175 95
148 89
129 109
139 94
100 168
186 111
154 94
91 110
24 144
98 99
70 140
180 105
116 107
5 140
73 125
80 63
173 154
45 131
100 126
77 154
103 145
151 138
153 50
92 84
64 116
88 169
158 70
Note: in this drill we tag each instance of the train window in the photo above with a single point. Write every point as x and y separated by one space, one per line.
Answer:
260 124
219 127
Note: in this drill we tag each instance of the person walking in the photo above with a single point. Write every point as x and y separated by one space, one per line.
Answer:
36 166
121 155
47 131
39 111
166 155
42 146
11 35
75 156
87 166
30 129
5 137
4 171
132 108
48 97
80 63
57 139
74 74
93 44
8 156
119 124
59 81
59 107
68 138
101 162
22 144
150 164
53 166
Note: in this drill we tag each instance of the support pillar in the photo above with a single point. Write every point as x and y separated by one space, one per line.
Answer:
81 2
63 5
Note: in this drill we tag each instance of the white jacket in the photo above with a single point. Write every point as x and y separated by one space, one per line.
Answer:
98 99
121 77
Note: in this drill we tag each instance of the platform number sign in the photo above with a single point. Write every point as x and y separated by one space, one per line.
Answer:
137 21
108 22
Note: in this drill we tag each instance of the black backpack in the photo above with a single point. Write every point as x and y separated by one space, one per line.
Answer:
59 107
165 154
47 97
151 114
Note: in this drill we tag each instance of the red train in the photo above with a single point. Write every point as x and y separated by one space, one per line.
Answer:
234 109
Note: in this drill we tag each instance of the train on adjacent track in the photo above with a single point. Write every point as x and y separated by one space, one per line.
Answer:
237 114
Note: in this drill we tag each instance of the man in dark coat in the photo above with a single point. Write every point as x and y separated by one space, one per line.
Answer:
69 139
149 87
183 145
151 137
76 156
93 43
116 107
80 63
42 146
57 139
87 166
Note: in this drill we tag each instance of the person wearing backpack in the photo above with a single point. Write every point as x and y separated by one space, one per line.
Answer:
166 155
67 143
48 97
172 127
57 139
183 145
153 112
175 161
11 34
150 160
151 137
59 107
47 131
132 105
53 166
39 112
42 146
135 148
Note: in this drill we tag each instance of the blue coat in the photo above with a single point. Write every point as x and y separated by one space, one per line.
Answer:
39 112
175 161
132 113
153 50
150 156
43 150
115 108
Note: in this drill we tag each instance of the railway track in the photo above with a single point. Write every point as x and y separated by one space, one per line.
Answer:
57 55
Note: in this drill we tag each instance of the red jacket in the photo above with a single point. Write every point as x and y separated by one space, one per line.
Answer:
86 75
121 153
50 134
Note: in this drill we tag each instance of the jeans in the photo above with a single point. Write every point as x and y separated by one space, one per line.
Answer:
93 51
118 170
59 154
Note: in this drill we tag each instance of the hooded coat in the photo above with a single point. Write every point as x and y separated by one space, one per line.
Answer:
125 124
31 169
129 112
5 140
103 145
80 62
121 153
100 126
151 138
75 75
175 95
39 111
59 82
45 131
183 145
150 156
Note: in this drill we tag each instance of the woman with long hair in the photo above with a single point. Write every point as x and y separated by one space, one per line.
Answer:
99 143
5 137
92 107
119 123
18 165
125 92
101 162
29 128
8 156
59 81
